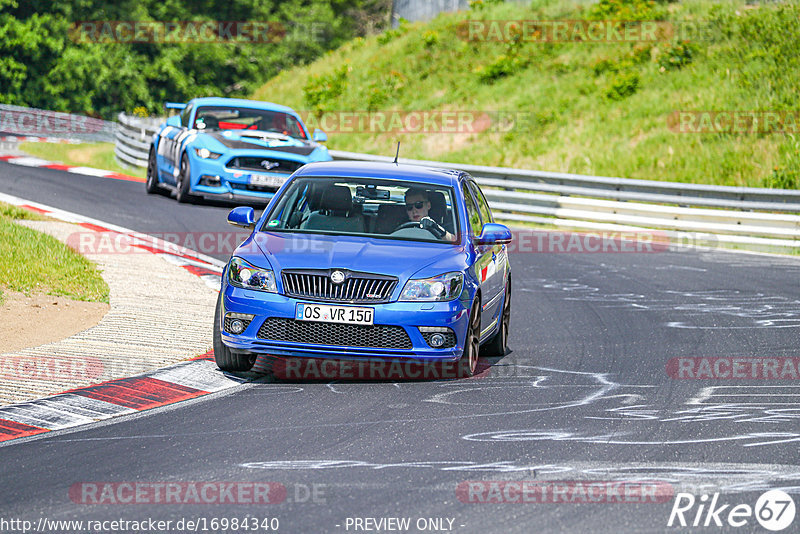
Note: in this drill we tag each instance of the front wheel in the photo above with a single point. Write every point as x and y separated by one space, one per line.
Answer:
498 345
182 194
151 184
226 359
469 359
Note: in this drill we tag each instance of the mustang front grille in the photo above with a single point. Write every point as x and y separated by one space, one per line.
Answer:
357 288
344 335
262 164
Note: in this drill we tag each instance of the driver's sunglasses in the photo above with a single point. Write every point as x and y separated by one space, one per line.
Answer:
415 206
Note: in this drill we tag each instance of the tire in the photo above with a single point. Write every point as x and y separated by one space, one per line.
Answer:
182 194
225 359
498 345
469 359
151 184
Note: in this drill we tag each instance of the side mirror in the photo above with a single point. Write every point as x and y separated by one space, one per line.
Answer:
320 136
494 234
175 120
242 216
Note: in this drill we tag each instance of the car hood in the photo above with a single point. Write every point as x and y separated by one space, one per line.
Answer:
254 139
403 259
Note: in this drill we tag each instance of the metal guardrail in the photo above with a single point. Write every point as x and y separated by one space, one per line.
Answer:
39 123
132 139
746 216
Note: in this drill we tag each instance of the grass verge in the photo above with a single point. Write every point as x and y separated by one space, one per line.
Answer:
95 155
31 261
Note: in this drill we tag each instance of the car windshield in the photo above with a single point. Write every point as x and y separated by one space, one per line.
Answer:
233 118
387 209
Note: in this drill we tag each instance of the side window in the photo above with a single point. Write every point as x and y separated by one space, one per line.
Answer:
486 213
473 214
185 114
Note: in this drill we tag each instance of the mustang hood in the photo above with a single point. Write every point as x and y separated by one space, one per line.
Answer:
258 140
381 256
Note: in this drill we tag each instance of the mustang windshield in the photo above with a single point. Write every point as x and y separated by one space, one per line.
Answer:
389 209
232 118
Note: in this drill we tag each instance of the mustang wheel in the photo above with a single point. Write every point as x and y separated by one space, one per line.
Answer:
151 185
184 179
472 344
499 343
225 359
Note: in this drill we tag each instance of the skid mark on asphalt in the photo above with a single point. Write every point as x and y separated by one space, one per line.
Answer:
695 309
690 477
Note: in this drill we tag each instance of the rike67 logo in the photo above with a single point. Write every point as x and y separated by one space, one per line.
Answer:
774 510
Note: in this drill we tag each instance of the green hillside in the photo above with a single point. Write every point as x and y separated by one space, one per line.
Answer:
585 107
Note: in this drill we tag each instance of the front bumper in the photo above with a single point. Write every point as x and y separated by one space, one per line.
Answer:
408 315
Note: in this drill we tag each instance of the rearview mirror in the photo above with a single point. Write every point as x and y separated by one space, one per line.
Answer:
242 216
320 136
494 234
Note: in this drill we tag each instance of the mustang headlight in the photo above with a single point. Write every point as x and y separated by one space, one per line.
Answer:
243 274
439 288
206 153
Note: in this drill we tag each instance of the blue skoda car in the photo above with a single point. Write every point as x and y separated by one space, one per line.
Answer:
232 149
367 261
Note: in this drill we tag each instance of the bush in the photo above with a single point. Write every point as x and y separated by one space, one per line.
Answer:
321 91
622 85
676 55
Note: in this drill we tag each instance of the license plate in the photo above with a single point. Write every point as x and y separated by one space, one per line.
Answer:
334 314
269 181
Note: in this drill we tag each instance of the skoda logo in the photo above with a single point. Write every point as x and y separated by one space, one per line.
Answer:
267 164
337 277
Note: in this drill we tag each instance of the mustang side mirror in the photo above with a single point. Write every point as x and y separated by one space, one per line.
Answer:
242 216
494 234
320 136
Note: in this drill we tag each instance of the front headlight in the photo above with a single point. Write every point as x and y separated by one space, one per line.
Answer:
243 274
438 289
206 153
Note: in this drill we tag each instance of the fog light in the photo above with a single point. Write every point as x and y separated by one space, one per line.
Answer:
211 181
237 326
437 340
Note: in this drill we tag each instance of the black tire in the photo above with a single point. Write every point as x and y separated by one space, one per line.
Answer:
151 184
225 359
182 194
469 359
498 345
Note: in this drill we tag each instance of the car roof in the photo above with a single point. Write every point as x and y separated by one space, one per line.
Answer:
241 102
368 169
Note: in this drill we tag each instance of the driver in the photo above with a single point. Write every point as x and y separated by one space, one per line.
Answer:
418 205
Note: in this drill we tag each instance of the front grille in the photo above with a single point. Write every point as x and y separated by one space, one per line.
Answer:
357 288
251 187
264 164
344 335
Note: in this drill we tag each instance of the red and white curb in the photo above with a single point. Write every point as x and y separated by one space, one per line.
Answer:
77 407
29 161
182 381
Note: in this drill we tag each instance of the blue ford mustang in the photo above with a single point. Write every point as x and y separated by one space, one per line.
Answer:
231 149
367 261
